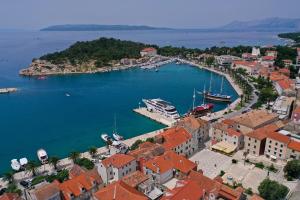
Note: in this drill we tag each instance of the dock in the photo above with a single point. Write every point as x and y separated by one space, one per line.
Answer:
155 116
7 90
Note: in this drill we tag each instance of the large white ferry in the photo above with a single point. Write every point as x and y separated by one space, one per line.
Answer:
163 107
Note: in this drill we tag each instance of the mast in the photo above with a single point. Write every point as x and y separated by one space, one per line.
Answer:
209 90
221 90
203 94
194 97
115 124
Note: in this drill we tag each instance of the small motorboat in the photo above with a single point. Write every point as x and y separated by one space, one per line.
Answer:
42 156
42 78
67 94
118 137
23 162
116 143
106 138
15 165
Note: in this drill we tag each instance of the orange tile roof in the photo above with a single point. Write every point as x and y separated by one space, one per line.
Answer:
84 180
9 196
268 58
285 83
214 186
119 191
185 190
170 160
135 178
262 133
174 136
279 137
47 190
192 122
294 145
118 160
284 71
231 132
276 76
149 49
245 63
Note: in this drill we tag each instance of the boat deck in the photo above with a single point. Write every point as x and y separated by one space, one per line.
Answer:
155 116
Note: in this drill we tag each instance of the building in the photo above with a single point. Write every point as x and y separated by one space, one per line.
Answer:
81 185
285 87
225 60
283 106
165 167
276 146
251 68
199 187
293 150
178 140
255 141
254 119
116 167
225 131
10 196
198 128
296 115
143 183
146 151
255 52
148 52
119 191
267 60
287 62
272 53
45 191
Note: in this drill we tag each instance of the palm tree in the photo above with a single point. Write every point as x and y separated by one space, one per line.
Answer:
54 161
93 151
32 167
74 155
9 176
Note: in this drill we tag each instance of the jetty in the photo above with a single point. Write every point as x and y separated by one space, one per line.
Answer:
7 90
155 116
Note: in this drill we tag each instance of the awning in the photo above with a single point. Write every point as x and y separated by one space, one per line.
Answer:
225 147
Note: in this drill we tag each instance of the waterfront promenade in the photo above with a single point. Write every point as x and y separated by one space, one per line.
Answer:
155 116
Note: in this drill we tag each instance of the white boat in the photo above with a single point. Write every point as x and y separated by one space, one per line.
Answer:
15 165
23 162
67 95
42 156
115 134
163 107
106 138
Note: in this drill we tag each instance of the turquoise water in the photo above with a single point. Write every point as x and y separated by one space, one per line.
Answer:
40 115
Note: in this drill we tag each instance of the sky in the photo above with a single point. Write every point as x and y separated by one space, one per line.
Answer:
36 14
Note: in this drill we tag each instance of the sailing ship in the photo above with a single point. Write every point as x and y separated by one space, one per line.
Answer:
216 96
115 134
201 110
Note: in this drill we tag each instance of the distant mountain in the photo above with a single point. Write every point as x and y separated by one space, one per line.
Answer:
95 27
269 24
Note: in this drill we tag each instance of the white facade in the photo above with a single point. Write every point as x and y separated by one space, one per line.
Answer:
159 177
112 173
255 51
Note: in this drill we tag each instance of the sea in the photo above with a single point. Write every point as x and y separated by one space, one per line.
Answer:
41 115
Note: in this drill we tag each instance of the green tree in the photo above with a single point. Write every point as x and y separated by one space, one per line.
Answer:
9 176
292 169
74 155
272 190
32 167
93 151
54 161
13 188
136 144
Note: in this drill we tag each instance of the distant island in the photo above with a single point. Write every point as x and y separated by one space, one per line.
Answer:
292 36
95 27
268 25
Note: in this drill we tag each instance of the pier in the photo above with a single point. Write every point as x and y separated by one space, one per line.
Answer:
155 116
7 90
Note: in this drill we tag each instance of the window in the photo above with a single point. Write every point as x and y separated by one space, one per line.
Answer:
255 141
254 146
270 141
281 145
275 148
280 155
276 143
269 150
248 144
253 152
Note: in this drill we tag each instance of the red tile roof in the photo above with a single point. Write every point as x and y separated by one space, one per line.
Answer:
85 180
231 132
118 160
149 49
279 137
262 133
268 58
9 196
294 145
46 191
285 83
135 178
256 197
174 136
185 190
170 160
119 191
